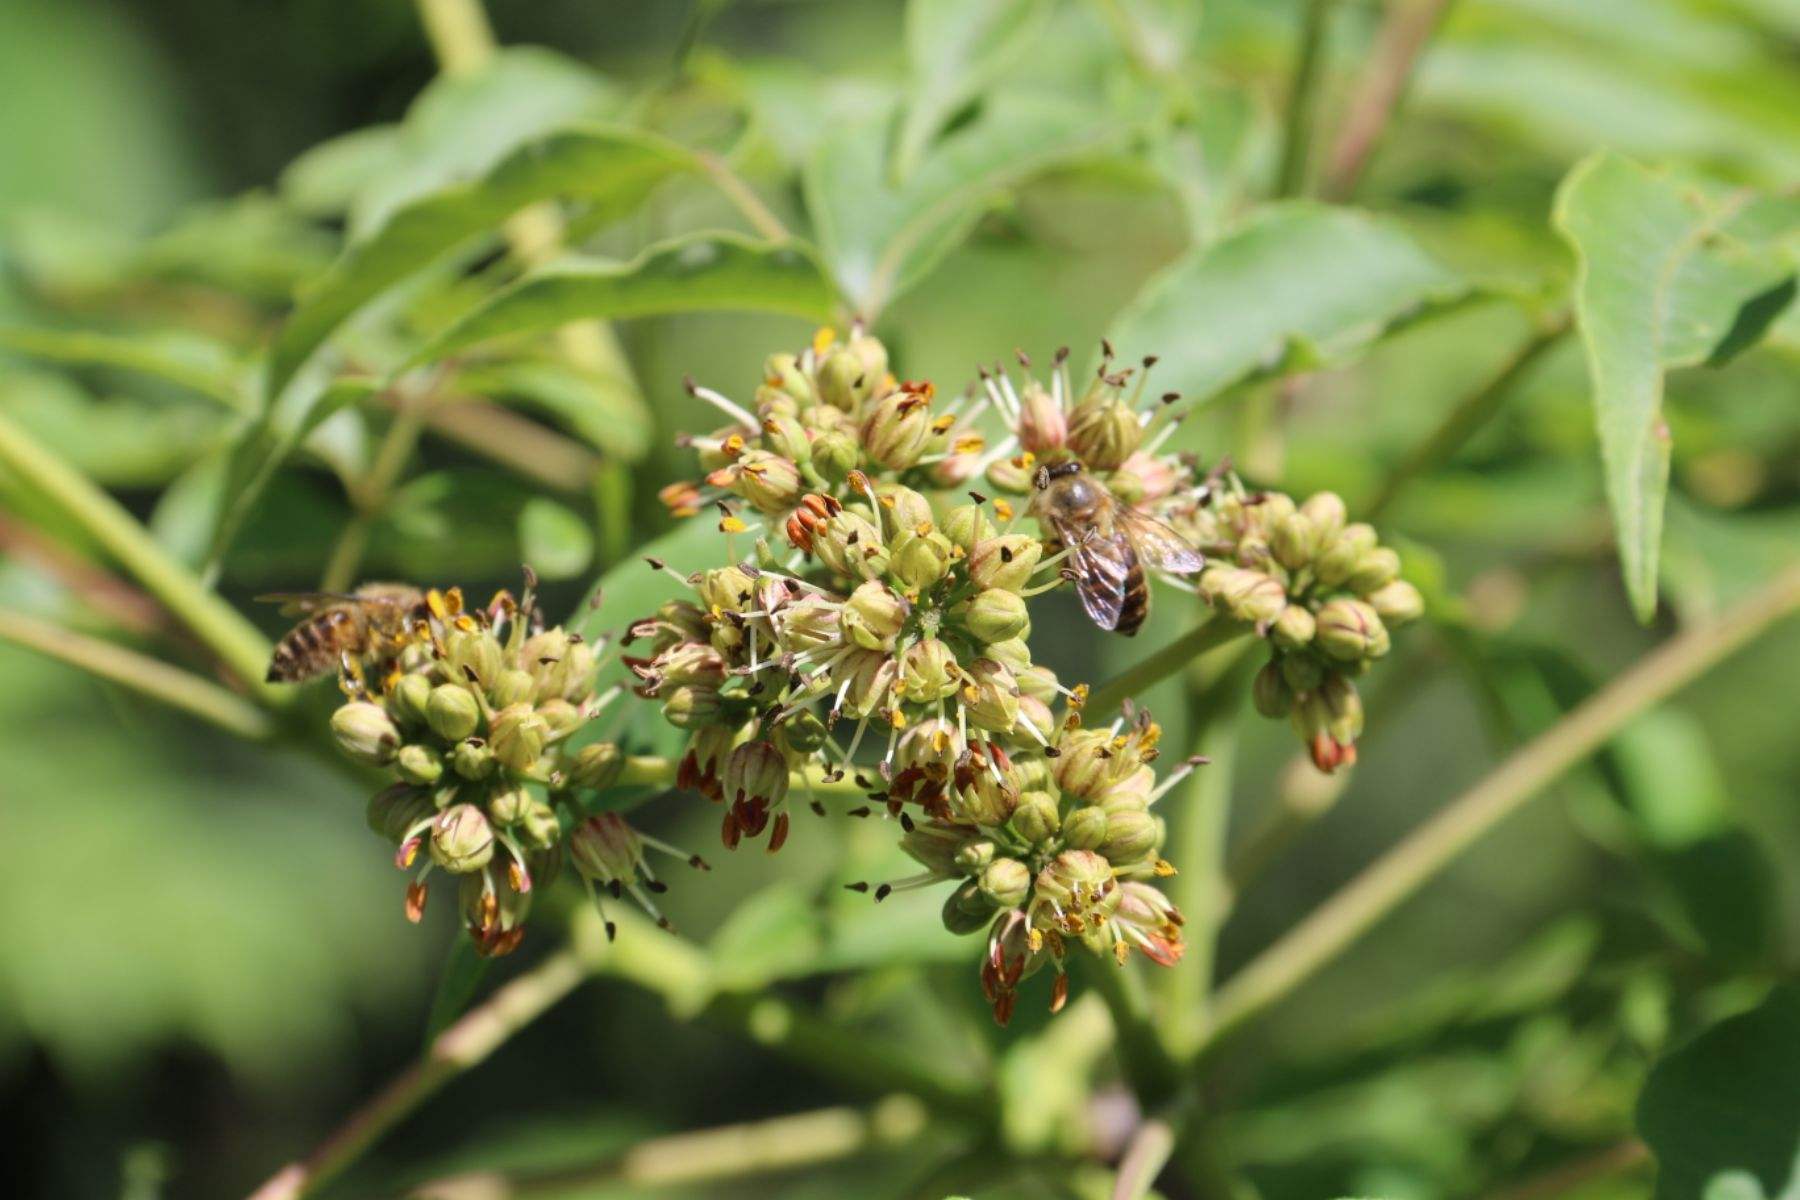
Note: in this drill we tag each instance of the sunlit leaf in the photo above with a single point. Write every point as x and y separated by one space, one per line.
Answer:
1297 286
612 169
326 180
1722 1114
606 410
954 49
880 238
1664 281
195 363
703 272
556 542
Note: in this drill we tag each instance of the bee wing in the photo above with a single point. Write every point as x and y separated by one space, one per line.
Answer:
1157 545
1100 564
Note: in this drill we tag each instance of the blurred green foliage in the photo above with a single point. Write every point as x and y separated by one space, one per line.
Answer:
207 952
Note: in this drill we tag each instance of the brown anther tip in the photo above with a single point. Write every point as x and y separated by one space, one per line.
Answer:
531 576
906 823
862 781
656 564
656 886
698 863
665 924
1106 347
1150 360
1062 355
612 932
1170 397
858 886
688 384
1052 752
818 808
883 892
978 498
1024 358
858 812
617 888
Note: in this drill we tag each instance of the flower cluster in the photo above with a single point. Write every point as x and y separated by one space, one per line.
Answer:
1321 590
474 720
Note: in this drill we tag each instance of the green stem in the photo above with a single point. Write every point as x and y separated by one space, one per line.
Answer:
221 628
707 1155
1302 796
459 33
1144 1160
744 198
372 495
1404 33
147 676
1162 664
1390 880
1153 1075
1296 141
1468 416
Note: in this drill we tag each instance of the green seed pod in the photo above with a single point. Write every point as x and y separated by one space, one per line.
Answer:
365 733
408 699
419 764
967 526
1340 556
967 910
1397 602
994 615
518 737
1104 432
452 712
509 805
1294 628
1005 562
596 767
513 687
1085 828
873 615
1374 570
1349 630
461 839
1270 692
1327 513
1036 819
1006 882
473 759
473 655
690 706
1131 836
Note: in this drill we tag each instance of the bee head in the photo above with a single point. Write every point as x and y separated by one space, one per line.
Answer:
1047 474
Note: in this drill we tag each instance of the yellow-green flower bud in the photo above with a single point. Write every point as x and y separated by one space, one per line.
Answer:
728 589
897 429
1036 713
808 623
1328 515
1397 602
1343 708
560 717
691 706
365 733
770 482
1293 539
872 354
1084 767
844 379
920 560
473 655
473 759
461 839
1013 654
419 764
935 847
1104 431
782 372
1301 672
1006 882
787 437
1076 879
849 544
597 766
1294 628
542 831
986 801
835 454
518 736
1011 475
991 697
1131 836
605 848
408 699
1085 828
993 615
870 675
755 773
974 855
928 672
513 687
1005 562
452 712
508 804
803 733
1131 792
1349 630
395 810
873 615
1043 425
1253 596
967 526
1036 819
1270 692
1334 564
1374 570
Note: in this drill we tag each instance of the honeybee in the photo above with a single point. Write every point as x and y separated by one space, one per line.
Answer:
346 631
1109 544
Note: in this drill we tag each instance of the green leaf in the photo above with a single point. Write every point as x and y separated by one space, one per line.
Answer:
954 49
1663 282
612 169
604 409
556 542
195 363
1722 1113
880 238
1296 286
699 273
325 181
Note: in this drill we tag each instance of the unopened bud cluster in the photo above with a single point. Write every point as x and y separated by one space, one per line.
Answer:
474 721
1321 590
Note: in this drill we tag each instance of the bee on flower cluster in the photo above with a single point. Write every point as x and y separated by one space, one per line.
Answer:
476 715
